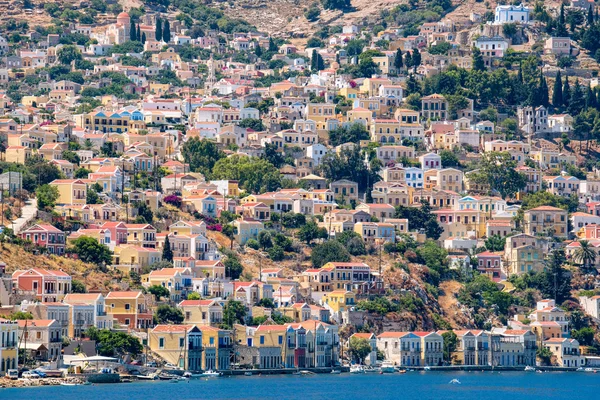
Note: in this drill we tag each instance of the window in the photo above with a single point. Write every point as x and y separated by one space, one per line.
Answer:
161 343
181 342
127 306
127 321
262 340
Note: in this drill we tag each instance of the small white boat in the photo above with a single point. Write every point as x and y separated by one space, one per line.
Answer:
529 369
336 371
387 367
588 369
372 370
211 374
247 373
539 371
454 382
357 369
426 369
69 384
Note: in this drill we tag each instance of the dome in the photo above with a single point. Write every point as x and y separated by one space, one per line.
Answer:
123 15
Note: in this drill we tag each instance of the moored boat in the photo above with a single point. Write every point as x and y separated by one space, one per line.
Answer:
357 369
387 367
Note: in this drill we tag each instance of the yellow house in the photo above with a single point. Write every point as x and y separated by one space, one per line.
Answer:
129 309
202 312
546 220
17 154
9 355
180 345
320 113
34 101
217 346
371 85
339 300
136 255
349 93
360 114
159 88
70 191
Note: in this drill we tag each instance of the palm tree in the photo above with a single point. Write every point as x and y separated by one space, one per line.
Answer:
585 254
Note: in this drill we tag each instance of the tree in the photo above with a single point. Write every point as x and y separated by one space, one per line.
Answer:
585 254
229 231
545 355
233 267
166 35
398 60
158 30
316 61
265 240
158 291
421 218
408 60
449 159
272 45
165 314
495 243
167 253
68 53
252 123
311 231
78 286
450 343
90 250
478 62
497 171
138 34
132 32
91 196
585 336
143 39
557 94
201 155
253 174
111 343
576 100
330 251
46 197
234 312
336 4
193 296
416 58
352 134
360 348
590 98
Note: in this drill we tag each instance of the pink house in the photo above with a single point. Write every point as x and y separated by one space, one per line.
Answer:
118 232
46 236
490 263
49 286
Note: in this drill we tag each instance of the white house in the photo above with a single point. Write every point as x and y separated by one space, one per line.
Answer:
414 177
430 161
506 14
591 305
316 151
580 219
491 46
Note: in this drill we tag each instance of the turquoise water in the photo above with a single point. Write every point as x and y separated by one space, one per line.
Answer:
413 385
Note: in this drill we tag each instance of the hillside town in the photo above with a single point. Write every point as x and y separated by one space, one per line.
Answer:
183 192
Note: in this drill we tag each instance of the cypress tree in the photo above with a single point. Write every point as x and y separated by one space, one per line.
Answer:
143 39
272 45
478 63
590 98
543 91
167 254
408 60
566 92
258 50
416 58
320 62
138 34
167 32
557 95
577 101
398 60
313 60
132 35
590 16
158 32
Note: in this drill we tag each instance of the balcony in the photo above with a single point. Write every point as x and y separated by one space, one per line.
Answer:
56 340
101 314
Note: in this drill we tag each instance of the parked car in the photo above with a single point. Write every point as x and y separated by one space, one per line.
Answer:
30 375
42 374
152 364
